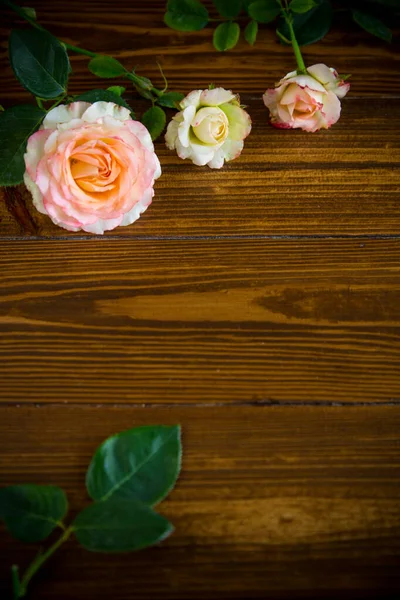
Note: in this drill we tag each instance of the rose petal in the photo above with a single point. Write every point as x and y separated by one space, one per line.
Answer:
192 99
184 126
216 97
99 110
64 114
239 121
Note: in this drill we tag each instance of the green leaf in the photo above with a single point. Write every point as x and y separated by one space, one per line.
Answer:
120 525
250 33
30 12
116 89
17 124
106 67
311 26
171 99
40 62
264 11
186 15
141 464
154 120
373 25
31 512
226 36
228 8
246 4
302 6
103 96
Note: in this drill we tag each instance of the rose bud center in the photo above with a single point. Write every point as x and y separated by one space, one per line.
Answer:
211 125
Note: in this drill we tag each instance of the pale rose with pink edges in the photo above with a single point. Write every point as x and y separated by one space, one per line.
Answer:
310 102
210 128
91 167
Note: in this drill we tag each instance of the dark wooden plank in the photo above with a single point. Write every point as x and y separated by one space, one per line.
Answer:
135 33
272 502
222 321
341 181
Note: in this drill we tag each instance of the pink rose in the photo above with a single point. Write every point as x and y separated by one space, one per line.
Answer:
91 167
308 102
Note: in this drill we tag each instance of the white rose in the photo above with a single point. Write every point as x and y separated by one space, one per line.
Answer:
210 128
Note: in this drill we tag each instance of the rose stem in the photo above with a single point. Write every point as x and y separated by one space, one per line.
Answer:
39 561
296 48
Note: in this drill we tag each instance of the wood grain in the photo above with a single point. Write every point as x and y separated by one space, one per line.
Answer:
272 502
135 33
204 321
242 302
342 181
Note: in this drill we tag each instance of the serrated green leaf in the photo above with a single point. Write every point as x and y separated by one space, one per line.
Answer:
106 67
250 33
186 15
171 99
264 11
226 36
120 525
17 124
373 25
141 464
228 8
40 62
103 96
116 89
31 512
301 6
311 26
154 120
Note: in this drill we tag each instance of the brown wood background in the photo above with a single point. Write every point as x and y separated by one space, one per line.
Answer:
258 306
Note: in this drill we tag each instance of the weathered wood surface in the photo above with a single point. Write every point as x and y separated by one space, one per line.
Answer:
178 310
342 181
273 502
200 321
134 32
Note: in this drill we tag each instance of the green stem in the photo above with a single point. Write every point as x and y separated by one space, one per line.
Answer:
15 581
296 49
80 50
20 12
39 102
56 103
138 83
40 560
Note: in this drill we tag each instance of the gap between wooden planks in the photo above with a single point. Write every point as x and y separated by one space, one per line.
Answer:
272 502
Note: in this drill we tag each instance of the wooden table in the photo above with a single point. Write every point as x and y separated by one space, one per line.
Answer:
258 306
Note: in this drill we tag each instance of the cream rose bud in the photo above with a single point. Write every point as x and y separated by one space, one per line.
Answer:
308 102
91 167
210 128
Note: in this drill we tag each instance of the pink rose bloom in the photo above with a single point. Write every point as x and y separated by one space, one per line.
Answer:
91 167
308 102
